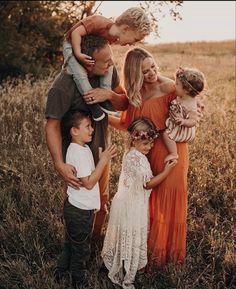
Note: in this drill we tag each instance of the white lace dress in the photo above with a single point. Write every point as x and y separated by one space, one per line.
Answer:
125 242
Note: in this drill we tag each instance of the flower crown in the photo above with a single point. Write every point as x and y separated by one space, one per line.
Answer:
181 74
150 134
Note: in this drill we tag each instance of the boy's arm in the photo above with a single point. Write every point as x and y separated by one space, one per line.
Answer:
90 181
76 39
54 143
76 35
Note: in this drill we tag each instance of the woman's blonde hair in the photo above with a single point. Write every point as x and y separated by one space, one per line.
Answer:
133 75
136 19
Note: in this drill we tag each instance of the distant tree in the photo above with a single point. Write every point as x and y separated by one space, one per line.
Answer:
32 31
155 10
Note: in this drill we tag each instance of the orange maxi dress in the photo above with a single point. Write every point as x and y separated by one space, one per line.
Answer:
168 201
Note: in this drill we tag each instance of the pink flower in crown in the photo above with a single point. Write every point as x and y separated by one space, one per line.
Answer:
180 73
142 135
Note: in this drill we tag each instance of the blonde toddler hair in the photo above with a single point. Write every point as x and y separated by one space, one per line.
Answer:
136 19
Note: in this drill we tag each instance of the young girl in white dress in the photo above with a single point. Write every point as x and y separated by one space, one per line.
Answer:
125 246
184 110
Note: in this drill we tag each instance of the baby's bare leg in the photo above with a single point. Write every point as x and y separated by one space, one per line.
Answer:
171 147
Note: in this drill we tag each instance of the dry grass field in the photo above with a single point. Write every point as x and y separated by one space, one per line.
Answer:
31 193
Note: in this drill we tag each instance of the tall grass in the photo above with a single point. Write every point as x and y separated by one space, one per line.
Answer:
31 192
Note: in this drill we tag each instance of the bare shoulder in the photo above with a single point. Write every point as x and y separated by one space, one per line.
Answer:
167 86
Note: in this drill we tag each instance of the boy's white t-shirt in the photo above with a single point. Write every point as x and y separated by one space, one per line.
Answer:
82 159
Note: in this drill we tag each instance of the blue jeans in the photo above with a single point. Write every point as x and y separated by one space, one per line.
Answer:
80 77
79 73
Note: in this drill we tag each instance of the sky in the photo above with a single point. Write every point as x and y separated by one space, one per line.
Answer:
202 21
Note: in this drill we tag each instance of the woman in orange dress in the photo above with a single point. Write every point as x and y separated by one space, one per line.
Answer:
168 201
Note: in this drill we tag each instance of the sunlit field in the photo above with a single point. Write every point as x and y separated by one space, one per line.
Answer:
31 192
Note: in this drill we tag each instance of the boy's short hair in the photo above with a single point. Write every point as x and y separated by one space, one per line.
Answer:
136 19
74 118
91 43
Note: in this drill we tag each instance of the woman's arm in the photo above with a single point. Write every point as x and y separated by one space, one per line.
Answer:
119 98
115 122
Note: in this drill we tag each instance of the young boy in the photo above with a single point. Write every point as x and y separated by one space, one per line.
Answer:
130 27
80 205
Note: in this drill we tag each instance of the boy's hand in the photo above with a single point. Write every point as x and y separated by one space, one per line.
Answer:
108 153
86 59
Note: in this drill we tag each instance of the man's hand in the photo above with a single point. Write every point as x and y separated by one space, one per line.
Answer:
96 95
68 173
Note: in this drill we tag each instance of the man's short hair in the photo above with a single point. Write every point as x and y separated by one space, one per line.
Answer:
91 43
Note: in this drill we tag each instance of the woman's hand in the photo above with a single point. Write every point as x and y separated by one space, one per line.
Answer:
200 107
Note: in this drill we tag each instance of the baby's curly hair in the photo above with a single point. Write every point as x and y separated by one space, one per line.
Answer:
136 19
192 80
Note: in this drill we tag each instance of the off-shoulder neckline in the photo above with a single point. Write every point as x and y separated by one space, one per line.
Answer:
159 97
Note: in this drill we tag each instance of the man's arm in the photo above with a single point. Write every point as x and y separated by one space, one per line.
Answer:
54 143
117 97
